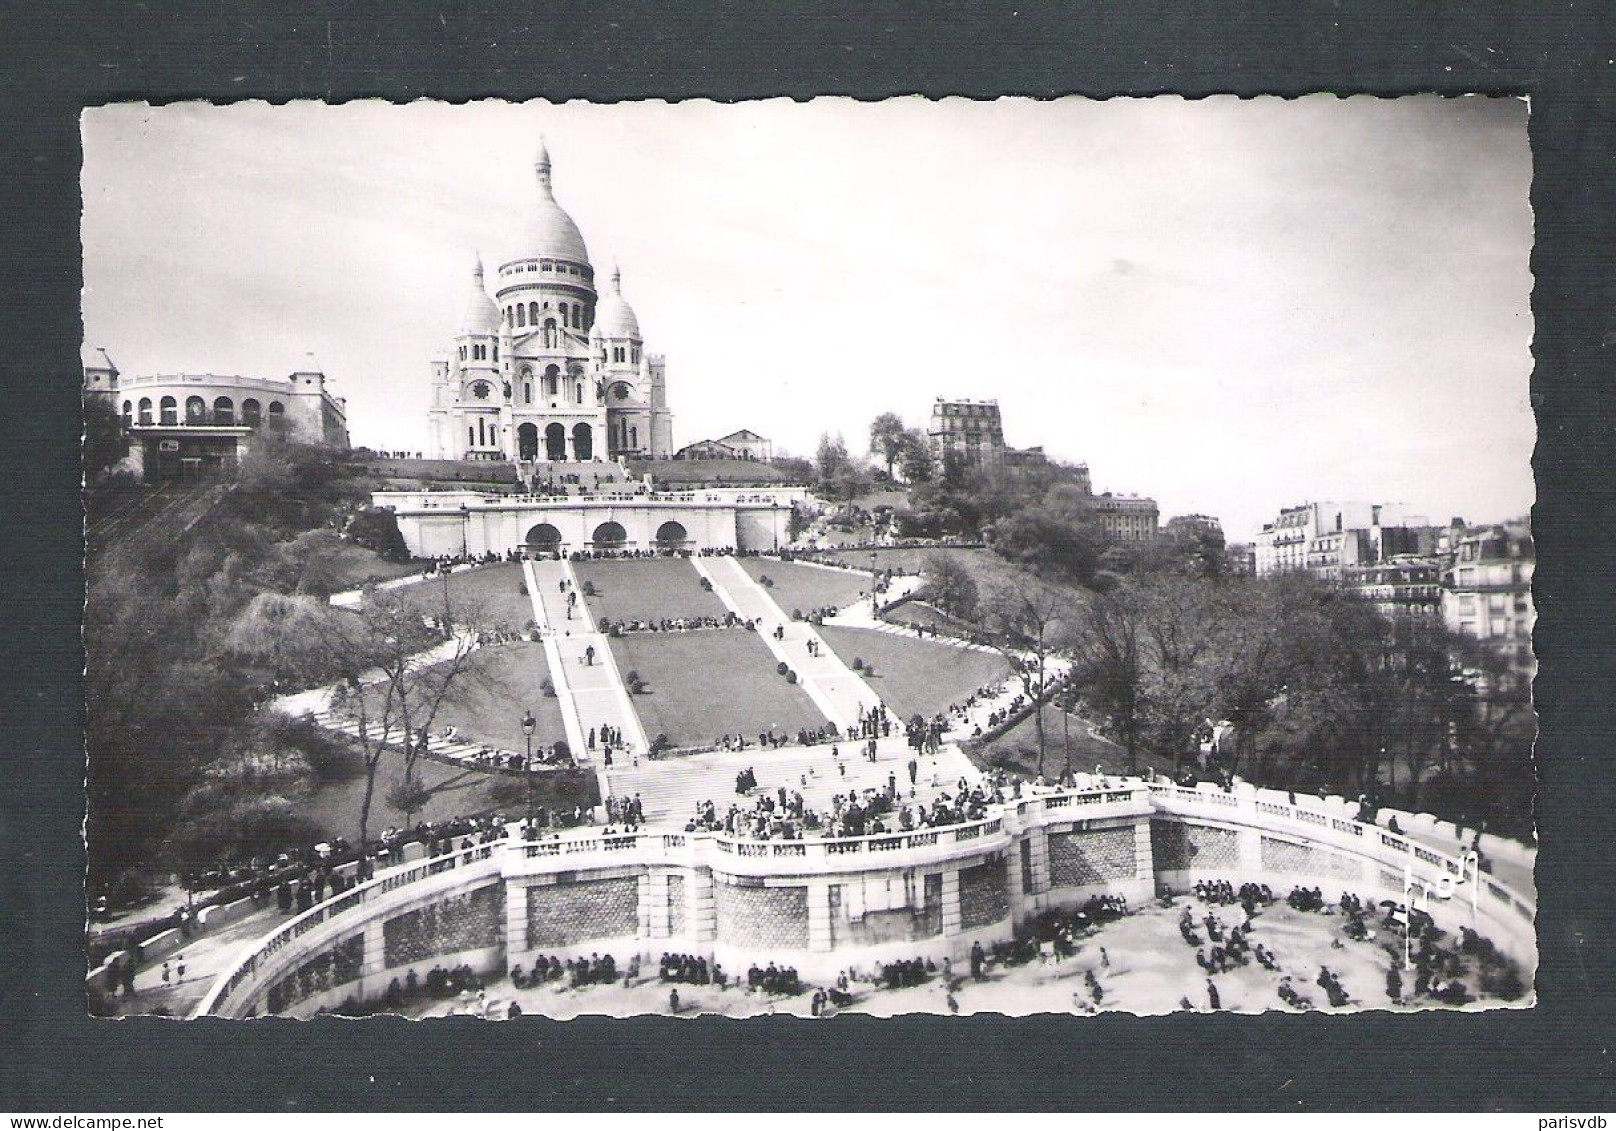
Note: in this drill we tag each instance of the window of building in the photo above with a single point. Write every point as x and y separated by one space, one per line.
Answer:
1495 603
521 315
533 313
1467 604
145 410
168 411
527 392
196 410
128 413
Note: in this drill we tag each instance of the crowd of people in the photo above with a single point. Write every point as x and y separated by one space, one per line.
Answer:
440 982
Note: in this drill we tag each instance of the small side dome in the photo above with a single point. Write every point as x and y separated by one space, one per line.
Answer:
614 317
481 316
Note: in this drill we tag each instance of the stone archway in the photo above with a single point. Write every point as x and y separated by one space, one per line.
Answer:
543 539
555 443
527 441
610 536
672 535
583 442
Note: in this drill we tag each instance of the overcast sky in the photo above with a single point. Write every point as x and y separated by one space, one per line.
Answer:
1231 306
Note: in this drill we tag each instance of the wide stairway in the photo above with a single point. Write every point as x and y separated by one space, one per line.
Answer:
591 694
592 477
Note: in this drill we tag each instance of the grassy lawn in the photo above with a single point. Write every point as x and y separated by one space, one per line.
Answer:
918 612
339 565
489 596
679 473
915 676
1017 748
489 697
646 589
499 685
711 683
808 587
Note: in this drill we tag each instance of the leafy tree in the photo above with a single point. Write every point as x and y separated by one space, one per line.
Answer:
376 528
104 443
886 439
917 463
1058 537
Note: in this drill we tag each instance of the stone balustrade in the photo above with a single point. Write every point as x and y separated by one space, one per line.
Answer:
821 903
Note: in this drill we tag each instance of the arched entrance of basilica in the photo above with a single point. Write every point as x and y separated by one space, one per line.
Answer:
583 442
527 441
555 442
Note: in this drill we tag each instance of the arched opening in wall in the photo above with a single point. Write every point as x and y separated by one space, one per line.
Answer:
277 416
551 338
533 313
145 410
609 536
521 315
672 536
168 411
128 413
224 411
552 374
196 410
555 442
583 439
252 413
543 539
527 441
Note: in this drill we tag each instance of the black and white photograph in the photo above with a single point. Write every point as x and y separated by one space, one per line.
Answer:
809 558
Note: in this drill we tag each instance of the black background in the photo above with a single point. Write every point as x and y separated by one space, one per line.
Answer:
57 58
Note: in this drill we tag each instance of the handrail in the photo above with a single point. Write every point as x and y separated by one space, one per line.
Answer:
366 893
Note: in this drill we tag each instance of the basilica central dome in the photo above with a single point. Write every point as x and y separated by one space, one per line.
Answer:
551 233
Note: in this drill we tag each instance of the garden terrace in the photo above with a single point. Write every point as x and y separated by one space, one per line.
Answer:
486 597
689 473
645 589
1016 749
914 676
808 587
704 684
986 568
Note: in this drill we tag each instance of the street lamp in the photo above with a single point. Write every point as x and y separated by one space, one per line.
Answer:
528 723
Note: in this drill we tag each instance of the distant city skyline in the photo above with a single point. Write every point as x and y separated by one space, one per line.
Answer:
1229 306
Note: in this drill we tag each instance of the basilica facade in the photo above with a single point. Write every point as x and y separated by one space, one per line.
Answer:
547 368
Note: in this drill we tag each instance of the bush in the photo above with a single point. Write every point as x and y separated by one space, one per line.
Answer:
707 584
562 749
781 668
548 688
521 587
632 676
791 677
636 686
796 614
869 669
589 589
858 663
766 581
605 625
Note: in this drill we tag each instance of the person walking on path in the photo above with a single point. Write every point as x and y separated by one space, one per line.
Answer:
589 655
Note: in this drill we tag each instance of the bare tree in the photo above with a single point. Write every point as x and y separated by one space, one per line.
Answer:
1024 622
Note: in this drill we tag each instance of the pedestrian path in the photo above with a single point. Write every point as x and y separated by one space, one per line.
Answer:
584 671
839 692
669 789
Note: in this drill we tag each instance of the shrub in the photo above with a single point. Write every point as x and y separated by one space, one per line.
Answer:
521 587
791 677
535 635
869 669
632 676
636 686
659 744
562 749
707 584
858 663
548 689
781 668
605 624
796 614
589 589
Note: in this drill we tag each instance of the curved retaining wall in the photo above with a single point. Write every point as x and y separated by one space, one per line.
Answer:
822 905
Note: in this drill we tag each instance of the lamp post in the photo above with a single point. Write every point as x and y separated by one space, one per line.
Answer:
875 606
528 723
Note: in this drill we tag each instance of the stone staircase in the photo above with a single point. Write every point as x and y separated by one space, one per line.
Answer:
593 476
